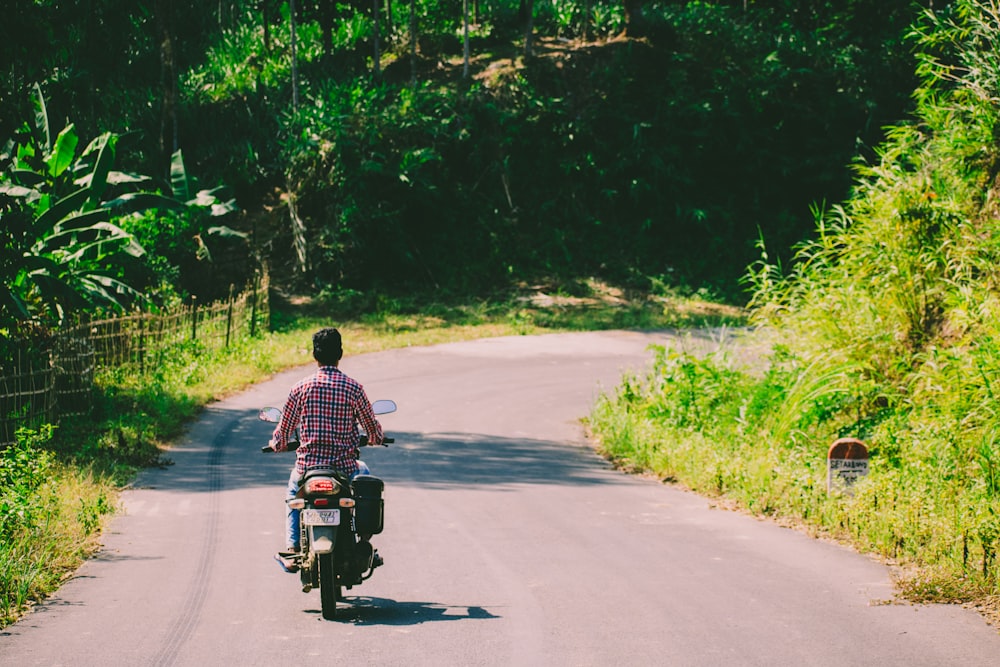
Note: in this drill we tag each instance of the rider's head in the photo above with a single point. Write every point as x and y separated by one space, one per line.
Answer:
327 347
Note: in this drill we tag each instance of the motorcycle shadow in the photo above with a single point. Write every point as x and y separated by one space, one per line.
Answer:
382 611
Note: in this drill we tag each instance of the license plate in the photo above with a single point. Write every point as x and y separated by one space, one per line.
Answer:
321 517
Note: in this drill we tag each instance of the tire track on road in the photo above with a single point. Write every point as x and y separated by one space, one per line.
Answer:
182 628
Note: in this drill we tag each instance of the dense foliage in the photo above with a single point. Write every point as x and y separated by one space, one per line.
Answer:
666 156
49 516
888 331
444 150
64 239
58 239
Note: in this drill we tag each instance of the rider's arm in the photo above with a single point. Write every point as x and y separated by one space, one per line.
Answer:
289 421
366 417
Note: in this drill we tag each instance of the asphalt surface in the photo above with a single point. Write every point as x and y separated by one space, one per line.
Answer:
507 542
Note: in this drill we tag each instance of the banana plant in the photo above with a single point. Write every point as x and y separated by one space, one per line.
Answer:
60 249
181 186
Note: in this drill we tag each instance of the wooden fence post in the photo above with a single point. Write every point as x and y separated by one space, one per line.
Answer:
229 314
194 318
142 344
162 322
253 304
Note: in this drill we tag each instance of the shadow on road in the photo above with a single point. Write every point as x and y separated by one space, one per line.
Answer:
445 460
228 457
382 611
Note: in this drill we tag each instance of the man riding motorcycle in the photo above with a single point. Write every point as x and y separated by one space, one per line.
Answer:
323 412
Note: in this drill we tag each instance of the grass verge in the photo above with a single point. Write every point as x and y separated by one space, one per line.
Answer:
759 438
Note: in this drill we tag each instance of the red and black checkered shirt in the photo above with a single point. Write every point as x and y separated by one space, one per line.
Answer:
327 408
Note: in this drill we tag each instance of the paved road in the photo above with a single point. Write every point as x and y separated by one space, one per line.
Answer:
507 543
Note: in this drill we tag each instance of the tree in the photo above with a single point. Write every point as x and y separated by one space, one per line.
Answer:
528 11
168 78
295 56
377 47
465 39
413 43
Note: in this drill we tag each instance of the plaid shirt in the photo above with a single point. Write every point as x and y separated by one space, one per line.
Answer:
326 408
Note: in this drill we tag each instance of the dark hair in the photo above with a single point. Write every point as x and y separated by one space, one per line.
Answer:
327 347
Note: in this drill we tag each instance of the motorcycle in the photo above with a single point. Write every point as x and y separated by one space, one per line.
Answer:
337 517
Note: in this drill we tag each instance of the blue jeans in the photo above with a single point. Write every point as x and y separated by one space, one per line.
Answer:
292 516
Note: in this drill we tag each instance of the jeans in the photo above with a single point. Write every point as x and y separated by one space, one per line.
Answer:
292 516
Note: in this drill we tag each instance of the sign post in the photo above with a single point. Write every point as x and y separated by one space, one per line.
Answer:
846 462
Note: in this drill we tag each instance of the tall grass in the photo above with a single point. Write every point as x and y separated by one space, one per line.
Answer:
50 516
889 330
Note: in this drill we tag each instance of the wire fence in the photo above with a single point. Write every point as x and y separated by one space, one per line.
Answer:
44 386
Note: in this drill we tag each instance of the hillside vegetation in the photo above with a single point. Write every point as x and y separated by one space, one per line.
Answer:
635 143
889 332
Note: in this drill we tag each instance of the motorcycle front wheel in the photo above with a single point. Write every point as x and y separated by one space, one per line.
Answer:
328 586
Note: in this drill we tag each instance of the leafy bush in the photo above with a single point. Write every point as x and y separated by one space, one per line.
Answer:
49 514
24 467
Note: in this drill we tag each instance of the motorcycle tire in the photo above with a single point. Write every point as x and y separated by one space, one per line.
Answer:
328 586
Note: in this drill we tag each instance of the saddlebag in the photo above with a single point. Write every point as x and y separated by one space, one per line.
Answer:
368 510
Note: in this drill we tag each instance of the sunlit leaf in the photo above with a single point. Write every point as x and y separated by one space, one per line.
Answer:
141 201
63 152
227 232
19 191
203 198
178 177
42 117
222 208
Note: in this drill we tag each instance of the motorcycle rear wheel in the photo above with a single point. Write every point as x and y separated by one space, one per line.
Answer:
328 586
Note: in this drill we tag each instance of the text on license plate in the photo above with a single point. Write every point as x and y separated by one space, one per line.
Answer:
321 517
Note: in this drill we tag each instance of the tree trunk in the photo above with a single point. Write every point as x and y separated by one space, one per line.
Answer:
265 16
295 57
326 26
377 55
632 10
529 10
299 233
168 81
465 39
413 43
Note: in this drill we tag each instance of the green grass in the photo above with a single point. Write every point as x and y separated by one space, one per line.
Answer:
760 440
67 512
889 331
138 415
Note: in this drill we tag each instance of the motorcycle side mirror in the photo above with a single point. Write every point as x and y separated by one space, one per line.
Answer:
269 415
383 407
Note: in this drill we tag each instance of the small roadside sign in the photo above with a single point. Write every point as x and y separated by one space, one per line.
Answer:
846 462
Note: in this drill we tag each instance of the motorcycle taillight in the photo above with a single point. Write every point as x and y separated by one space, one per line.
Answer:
322 485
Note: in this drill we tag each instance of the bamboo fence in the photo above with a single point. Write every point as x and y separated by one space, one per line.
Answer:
44 387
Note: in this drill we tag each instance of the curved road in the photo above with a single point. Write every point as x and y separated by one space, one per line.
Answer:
507 542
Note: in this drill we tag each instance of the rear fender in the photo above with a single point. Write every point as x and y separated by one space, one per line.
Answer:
322 539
